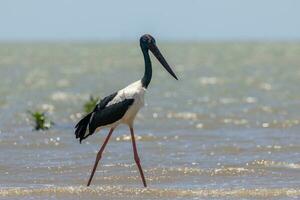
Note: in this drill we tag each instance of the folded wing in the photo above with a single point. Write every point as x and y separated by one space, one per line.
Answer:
102 115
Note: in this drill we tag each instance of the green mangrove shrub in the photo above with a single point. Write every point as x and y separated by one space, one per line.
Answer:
40 120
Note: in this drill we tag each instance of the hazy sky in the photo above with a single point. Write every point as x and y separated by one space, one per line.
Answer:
168 19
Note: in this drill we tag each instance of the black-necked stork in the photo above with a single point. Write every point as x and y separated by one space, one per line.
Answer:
122 106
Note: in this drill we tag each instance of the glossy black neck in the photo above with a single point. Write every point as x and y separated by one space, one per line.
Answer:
148 68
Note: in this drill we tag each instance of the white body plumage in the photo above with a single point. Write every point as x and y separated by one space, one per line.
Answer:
133 91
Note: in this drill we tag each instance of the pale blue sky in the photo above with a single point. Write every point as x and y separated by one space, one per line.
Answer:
168 19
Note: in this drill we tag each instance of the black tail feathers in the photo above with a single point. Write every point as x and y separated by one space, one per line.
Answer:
81 126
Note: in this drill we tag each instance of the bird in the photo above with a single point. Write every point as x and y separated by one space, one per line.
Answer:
122 106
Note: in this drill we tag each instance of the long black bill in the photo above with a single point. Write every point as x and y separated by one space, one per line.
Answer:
153 48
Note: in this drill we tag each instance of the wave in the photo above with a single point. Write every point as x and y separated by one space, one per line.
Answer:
274 164
223 171
118 191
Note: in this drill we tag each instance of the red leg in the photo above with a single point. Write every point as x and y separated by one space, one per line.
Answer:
136 157
99 155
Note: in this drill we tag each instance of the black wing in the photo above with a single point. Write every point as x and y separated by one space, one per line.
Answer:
102 116
109 114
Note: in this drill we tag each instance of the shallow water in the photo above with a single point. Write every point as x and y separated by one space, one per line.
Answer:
228 129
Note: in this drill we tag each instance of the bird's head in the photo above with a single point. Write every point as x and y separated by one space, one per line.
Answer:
147 42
